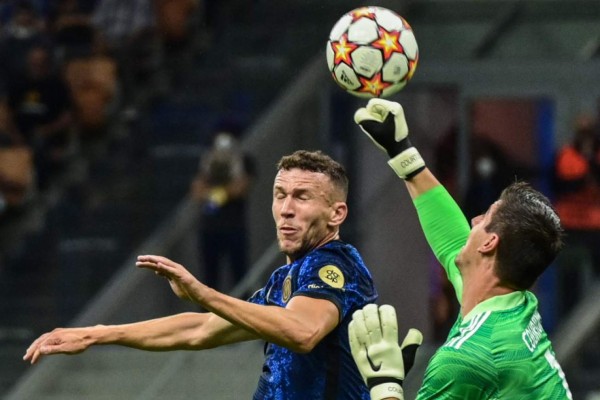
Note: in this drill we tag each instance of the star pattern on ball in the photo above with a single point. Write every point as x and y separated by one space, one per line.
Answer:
412 67
362 12
342 50
389 42
375 85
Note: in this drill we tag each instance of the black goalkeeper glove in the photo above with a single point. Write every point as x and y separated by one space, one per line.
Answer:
382 363
384 123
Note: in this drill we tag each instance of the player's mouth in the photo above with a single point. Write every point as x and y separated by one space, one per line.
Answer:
287 230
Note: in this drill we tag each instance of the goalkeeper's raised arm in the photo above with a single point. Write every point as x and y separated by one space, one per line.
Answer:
444 224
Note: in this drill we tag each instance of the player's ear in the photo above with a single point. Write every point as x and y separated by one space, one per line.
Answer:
339 212
490 244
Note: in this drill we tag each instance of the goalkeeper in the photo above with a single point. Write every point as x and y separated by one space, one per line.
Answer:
497 348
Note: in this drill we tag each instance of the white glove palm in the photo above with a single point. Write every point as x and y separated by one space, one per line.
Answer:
373 334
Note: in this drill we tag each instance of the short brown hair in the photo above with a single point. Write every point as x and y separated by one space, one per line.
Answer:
530 235
317 161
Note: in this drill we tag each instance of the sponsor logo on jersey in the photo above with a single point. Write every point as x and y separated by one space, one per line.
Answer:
331 275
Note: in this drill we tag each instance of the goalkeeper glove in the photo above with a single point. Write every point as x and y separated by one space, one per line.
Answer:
382 363
384 123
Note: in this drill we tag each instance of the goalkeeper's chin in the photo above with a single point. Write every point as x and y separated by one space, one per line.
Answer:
458 260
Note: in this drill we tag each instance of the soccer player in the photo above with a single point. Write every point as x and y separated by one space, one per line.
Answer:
497 349
302 312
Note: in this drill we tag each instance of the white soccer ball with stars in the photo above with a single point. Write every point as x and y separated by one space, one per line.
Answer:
372 52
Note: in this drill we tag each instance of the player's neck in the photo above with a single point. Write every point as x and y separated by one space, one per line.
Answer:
479 287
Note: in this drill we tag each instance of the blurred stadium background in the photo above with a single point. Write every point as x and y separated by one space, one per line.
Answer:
516 72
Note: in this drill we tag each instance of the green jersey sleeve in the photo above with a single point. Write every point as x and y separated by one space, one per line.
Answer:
446 230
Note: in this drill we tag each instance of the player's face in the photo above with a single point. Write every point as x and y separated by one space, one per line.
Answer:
303 210
468 254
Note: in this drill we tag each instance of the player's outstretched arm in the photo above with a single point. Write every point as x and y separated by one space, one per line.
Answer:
299 326
184 331
385 124
383 364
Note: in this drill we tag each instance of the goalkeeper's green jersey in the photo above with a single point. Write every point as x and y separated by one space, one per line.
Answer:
500 349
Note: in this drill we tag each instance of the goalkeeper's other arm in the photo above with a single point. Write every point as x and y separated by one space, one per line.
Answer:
384 123
382 363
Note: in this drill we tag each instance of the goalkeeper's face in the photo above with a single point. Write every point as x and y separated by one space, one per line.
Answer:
307 210
480 243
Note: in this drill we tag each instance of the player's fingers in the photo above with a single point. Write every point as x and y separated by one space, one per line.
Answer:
358 350
354 345
372 322
409 347
414 336
362 114
389 323
147 265
34 346
360 329
382 107
39 350
35 356
152 258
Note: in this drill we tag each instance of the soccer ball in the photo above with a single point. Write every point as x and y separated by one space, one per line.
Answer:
372 52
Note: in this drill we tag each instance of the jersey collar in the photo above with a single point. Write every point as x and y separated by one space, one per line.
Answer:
497 303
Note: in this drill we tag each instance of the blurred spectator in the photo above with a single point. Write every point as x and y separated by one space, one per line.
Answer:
445 162
40 106
72 31
221 188
89 72
126 29
16 166
178 28
577 192
174 17
24 30
8 133
93 84
491 171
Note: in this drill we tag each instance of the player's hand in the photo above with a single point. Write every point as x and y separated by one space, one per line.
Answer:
182 282
384 123
383 364
59 341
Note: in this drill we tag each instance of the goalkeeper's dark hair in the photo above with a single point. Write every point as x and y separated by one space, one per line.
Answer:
530 235
317 161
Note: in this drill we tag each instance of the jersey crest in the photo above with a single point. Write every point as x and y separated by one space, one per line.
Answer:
286 292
